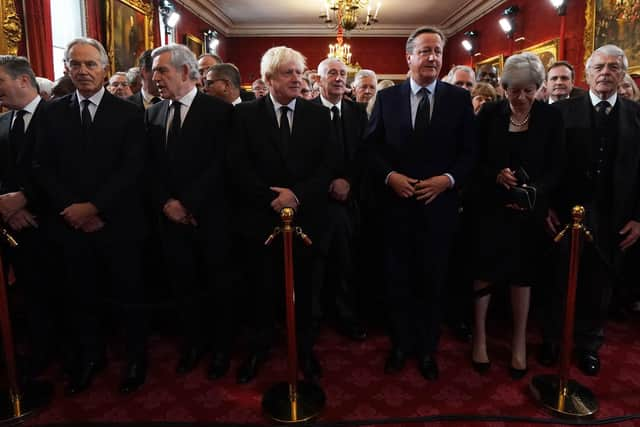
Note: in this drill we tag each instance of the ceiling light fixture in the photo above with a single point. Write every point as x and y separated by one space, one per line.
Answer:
507 22
469 43
347 14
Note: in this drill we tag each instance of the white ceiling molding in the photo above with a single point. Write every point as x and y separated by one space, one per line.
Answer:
468 14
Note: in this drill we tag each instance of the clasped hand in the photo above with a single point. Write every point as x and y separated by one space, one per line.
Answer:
424 190
176 212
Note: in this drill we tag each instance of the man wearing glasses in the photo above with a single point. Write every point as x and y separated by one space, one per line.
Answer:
223 81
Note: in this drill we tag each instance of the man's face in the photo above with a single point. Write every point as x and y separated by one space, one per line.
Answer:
463 79
260 89
605 74
559 82
119 86
305 91
85 69
204 64
425 61
215 86
334 80
10 90
365 89
169 80
149 84
286 82
488 74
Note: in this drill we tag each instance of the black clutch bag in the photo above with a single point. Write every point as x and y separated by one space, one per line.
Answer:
523 194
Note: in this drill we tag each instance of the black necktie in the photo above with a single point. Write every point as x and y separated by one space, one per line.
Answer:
601 112
174 128
155 100
337 126
16 134
422 115
86 118
285 130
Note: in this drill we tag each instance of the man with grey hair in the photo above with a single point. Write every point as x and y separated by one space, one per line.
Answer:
45 85
259 88
119 85
462 76
135 79
603 175
223 81
89 164
188 132
422 138
280 158
364 85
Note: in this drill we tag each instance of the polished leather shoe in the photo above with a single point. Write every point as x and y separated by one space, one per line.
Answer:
353 330
395 361
134 376
188 360
481 367
589 362
82 376
311 368
248 370
428 367
219 365
549 353
516 373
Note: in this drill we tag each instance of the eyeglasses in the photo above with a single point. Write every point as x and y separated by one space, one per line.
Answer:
212 82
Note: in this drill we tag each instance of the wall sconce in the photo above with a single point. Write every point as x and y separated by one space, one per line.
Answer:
169 16
469 43
211 41
507 22
561 6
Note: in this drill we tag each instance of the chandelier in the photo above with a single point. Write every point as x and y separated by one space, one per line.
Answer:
340 50
346 14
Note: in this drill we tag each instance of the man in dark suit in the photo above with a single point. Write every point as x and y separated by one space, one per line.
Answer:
20 206
560 80
421 133
188 132
334 274
89 162
280 157
603 174
148 94
223 81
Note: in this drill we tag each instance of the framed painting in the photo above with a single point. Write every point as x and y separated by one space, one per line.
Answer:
614 22
497 61
129 31
194 44
546 51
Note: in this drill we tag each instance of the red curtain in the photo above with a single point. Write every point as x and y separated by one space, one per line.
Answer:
94 11
37 18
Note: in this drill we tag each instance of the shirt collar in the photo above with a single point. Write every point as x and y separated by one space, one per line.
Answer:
146 96
415 87
31 107
595 99
237 101
329 104
188 98
277 105
95 98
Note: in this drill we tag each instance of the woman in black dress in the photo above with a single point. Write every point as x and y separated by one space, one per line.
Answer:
521 143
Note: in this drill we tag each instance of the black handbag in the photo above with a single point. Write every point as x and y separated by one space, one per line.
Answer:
523 194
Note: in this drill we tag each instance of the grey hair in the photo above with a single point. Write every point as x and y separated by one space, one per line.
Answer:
121 74
276 56
104 58
45 85
180 56
609 50
455 69
422 30
16 66
227 71
362 74
324 65
133 74
523 68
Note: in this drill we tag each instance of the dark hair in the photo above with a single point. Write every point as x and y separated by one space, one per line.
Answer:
422 30
63 86
562 64
211 55
17 66
226 71
145 61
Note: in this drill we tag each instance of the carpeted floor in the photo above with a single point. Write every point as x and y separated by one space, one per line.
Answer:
355 386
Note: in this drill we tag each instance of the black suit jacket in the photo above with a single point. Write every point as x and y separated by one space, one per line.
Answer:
245 95
194 172
15 168
104 170
137 99
258 161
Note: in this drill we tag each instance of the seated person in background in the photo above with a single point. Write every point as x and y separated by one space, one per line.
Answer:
481 93
119 85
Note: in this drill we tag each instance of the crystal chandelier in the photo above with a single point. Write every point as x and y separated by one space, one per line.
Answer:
340 50
346 14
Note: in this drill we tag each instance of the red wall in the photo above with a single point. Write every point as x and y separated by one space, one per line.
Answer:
537 21
384 55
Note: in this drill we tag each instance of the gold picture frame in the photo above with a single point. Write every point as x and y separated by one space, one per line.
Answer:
194 44
546 51
129 31
11 33
497 61
609 22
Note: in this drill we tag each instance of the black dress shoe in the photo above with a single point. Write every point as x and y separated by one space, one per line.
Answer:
549 353
82 376
219 365
188 360
353 330
134 376
516 373
248 370
481 367
589 362
311 368
428 367
395 361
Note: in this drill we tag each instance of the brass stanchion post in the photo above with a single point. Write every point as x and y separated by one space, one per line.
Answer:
559 393
294 401
18 402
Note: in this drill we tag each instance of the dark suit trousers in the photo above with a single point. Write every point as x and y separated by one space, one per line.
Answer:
101 268
418 240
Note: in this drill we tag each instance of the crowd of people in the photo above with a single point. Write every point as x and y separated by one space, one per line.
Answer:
438 190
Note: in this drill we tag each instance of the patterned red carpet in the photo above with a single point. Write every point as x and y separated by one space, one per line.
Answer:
356 388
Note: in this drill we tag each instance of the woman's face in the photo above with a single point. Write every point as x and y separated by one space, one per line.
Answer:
478 101
521 96
625 90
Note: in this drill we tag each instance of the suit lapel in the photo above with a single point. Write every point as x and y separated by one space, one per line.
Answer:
404 110
29 133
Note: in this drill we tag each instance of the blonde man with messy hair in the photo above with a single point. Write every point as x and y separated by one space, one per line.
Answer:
276 56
